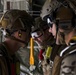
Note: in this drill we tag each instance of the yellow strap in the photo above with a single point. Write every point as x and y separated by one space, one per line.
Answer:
31 52
74 38
48 52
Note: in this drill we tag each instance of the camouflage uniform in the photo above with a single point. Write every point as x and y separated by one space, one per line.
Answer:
61 65
69 67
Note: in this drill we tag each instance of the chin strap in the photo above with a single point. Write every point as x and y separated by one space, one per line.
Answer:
12 37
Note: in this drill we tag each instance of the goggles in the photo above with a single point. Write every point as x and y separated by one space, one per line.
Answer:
36 34
50 22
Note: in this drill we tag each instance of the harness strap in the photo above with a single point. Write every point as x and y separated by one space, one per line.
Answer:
58 59
68 49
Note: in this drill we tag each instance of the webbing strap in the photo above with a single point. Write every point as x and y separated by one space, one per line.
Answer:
67 50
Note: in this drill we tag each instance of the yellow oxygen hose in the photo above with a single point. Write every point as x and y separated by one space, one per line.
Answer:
31 52
32 60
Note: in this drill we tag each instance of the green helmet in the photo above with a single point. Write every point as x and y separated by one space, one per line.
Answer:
13 20
39 25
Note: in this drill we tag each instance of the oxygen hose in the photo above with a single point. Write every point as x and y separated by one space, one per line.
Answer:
32 66
31 52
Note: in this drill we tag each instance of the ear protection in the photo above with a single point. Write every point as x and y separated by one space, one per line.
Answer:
19 34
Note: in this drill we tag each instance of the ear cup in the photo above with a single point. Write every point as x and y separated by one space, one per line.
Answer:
19 34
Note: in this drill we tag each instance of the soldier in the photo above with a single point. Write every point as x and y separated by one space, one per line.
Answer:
46 43
17 26
67 32
64 16
48 15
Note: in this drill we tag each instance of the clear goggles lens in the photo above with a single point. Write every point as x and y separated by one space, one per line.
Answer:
36 34
50 23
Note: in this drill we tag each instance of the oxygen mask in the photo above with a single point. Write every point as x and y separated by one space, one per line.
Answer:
36 34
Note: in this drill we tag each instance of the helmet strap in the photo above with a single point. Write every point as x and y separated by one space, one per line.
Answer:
12 37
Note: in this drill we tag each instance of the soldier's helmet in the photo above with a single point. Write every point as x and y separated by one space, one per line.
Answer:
13 20
66 18
48 7
39 25
52 5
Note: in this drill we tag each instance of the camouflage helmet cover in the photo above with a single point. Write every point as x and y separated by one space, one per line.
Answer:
16 19
48 7
51 5
39 24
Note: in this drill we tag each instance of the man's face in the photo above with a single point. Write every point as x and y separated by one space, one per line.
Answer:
25 37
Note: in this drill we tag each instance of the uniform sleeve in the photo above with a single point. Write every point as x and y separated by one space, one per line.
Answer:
68 65
3 67
0 70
